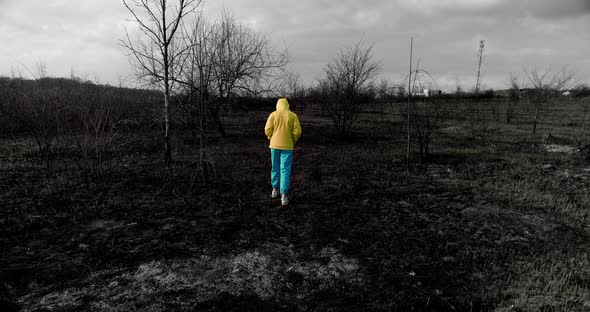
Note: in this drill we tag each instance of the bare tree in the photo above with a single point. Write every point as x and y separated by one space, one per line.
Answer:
156 54
40 112
294 85
546 87
41 69
243 64
197 81
345 80
222 61
383 90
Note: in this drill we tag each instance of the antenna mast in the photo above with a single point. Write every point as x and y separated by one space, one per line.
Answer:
477 85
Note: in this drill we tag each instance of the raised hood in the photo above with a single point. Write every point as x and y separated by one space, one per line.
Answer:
282 105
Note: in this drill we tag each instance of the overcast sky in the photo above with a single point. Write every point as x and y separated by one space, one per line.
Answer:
83 36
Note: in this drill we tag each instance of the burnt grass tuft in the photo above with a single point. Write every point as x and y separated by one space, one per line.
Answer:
491 223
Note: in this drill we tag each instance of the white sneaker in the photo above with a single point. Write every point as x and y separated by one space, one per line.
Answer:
275 193
284 200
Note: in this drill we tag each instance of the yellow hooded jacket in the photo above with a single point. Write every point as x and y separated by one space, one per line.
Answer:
282 127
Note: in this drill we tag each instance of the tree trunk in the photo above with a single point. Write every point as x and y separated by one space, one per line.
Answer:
202 163
537 109
167 145
217 121
408 146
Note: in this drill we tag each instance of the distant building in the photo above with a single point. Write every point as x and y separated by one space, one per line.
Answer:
504 93
427 93
432 92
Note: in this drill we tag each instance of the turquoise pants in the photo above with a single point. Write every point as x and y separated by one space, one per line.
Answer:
280 174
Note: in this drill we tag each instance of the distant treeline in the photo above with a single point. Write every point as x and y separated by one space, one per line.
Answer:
32 105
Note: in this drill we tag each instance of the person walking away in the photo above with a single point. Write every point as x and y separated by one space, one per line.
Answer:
283 130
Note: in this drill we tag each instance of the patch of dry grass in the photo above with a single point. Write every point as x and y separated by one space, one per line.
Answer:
551 282
273 273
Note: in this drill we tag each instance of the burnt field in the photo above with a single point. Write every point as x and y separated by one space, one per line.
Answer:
494 220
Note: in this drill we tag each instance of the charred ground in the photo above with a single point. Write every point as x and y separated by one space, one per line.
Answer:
491 222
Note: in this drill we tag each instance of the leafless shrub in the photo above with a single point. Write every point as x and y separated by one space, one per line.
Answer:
581 90
427 116
98 119
513 98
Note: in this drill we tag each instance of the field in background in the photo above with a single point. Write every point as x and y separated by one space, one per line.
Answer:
495 219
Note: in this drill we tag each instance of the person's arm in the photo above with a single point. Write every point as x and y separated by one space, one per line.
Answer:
296 130
268 128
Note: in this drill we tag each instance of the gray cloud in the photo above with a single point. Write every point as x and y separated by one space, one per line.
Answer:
518 33
549 9
65 35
